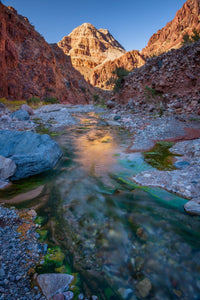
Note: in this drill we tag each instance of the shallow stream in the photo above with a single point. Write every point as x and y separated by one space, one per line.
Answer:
125 241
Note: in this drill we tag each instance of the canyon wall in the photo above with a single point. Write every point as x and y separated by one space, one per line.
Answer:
32 67
171 36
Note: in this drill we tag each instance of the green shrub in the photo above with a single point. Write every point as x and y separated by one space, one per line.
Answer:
191 39
95 97
118 79
151 93
51 100
33 100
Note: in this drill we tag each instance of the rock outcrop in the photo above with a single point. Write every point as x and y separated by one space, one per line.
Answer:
31 152
171 36
89 47
170 79
101 74
32 67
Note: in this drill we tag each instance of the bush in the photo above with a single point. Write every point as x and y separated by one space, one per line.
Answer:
95 97
191 39
33 100
118 79
51 100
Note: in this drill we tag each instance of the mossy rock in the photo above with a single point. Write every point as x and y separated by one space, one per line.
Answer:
55 256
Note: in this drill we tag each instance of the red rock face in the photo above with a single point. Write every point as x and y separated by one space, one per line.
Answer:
171 36
172 77
32 67
101 74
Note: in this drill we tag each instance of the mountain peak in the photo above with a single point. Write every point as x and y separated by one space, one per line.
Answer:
89 47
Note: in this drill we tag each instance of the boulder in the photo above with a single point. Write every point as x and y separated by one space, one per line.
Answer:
192 207
52 284
32 153
7 167
28 109
21 115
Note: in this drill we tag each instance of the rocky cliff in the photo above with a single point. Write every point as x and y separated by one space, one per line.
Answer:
171 79
171 36
101 74
32 67
89 47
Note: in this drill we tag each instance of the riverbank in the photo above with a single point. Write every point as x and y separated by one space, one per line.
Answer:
20 252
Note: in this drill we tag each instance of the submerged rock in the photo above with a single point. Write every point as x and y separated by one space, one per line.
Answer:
32 153
144 287
52 284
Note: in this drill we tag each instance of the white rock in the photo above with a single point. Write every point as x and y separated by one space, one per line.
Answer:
7 167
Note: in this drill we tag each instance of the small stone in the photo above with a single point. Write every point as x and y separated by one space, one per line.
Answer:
151 108
125 293
2 272
18 278
177 293
110 104
68 295
6 281
116 118
147 175
59 297
141 234
144 287
177 105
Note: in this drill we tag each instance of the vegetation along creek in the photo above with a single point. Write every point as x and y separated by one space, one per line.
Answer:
122 241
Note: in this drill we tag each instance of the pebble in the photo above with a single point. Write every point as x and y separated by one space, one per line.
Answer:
144 287
15 259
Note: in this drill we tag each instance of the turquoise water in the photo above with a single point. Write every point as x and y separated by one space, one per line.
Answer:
125 241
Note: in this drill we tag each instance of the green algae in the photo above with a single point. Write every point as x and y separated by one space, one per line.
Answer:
40 220
160 157
43 234
55 256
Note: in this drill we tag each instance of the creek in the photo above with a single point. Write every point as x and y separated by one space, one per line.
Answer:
125 241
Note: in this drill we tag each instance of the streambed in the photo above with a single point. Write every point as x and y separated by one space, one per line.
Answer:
125 241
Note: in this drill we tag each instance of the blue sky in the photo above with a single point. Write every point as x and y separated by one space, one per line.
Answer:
130 22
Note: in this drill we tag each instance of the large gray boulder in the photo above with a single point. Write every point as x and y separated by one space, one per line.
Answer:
21 115
32 153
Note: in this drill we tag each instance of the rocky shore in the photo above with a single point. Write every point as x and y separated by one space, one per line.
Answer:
22 251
